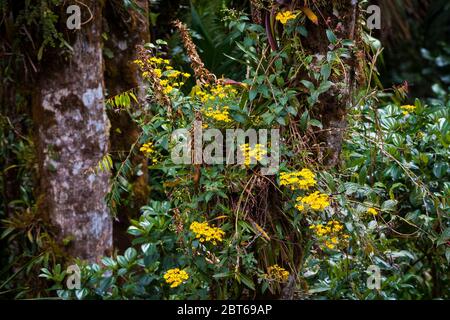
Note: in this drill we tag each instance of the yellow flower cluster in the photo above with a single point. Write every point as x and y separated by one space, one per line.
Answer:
148 150
249 153
216 92
316 201
285 16
216 99
204 232
372 211
302 180
169 78
175 277
331 233
277 273
218 115
407 109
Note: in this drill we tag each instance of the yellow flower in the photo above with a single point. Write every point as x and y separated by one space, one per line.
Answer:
257 153
168 89
158 73
331 234
173 73
285 16
302 180
407 109
276 273
329 245
203 232
316 201
217 93
372 211
175 277
156 60
147 148
140 63
218 115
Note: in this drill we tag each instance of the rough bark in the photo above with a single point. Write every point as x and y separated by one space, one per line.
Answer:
127 29
341 17
72 137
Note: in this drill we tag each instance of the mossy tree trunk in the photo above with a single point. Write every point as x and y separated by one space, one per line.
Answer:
72 137
341 17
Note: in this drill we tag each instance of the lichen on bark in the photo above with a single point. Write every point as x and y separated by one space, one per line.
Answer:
72 137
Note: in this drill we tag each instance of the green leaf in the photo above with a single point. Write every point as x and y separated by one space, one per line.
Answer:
130 254
80 294
308 84
331 36
281 121
6 232
440 169
325 71
372 225
134 231
316 123
319 289
324 86
444 237
389 205
304 120
264 287
223 275
291 110
395 186
238 117
122 261
40 52
247 281
109 262
302 30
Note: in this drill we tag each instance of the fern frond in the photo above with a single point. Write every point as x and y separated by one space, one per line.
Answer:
122 100
105 164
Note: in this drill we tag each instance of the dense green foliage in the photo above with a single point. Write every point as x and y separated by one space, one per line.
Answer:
395 163
234 232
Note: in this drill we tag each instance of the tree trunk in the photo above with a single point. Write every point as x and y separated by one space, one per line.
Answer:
342 18
72 137
126 30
